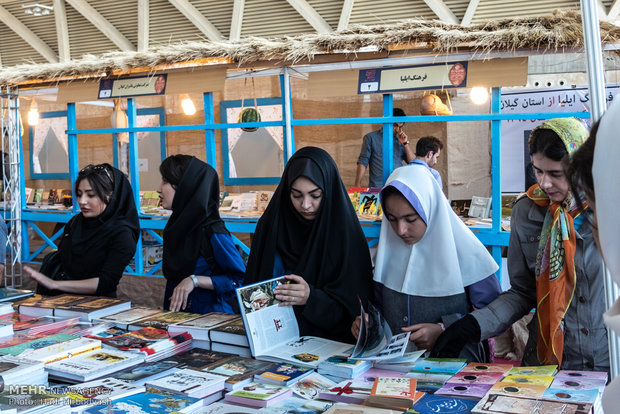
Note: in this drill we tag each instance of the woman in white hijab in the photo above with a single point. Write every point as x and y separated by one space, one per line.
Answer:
595 171
430 268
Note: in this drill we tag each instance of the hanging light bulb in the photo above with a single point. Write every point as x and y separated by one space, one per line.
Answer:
479 95
33 113
188 106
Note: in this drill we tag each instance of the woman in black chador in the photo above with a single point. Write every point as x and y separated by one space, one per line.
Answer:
310 234
100 241
201 264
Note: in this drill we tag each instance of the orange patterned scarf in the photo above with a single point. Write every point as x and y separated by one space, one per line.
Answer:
555 272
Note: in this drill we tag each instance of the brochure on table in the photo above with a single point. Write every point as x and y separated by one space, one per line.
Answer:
273 332
375 340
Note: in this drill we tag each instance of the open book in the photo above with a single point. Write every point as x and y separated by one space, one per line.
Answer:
273 332
375 340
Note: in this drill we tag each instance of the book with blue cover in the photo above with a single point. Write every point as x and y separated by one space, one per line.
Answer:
148 403
283 374
436 404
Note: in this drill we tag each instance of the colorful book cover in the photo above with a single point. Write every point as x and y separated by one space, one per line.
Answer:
543 370
188 381
579 383
107 389
38 343
312 385
146 370
437 366
62 350
296 405
393 387
237 366
349 391
137 340
487 367
283 373
131 315
108 333
368 204
460 390
476 377
162 320
560 394
529 379
199 359
499 403
525 390
434 404
260 391
148 403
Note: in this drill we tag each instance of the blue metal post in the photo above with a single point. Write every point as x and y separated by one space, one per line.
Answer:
134 174
388 137
22 188
73 149
209 133
287 112
496 175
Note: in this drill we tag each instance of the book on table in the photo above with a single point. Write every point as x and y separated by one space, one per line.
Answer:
200 327
125 318
500 403
438 404
92 307
311 386
141 373
162 320
258 394
231 332
273 332
61 350
283 374
394 393
101 392
149 403
238 370
39 306
34 324
189 382
198 359
93 365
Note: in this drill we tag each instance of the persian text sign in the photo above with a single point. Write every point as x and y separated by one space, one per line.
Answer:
136 86
437 76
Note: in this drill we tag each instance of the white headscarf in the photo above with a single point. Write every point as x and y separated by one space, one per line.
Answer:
606 174
447 258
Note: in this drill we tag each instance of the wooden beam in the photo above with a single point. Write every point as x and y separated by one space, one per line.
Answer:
470 12
311 15
62 30
442 11
345 14
614 10
143 25
237 20
192 14
102 24
28 35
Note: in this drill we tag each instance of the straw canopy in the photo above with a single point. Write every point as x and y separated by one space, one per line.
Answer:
550 33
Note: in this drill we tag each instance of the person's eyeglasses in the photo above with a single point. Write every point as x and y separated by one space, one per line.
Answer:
97 168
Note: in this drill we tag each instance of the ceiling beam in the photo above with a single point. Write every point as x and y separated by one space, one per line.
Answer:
62 31
237 20
345 14
442 11
602 10
311 15
192 14
614 10
28 35
470 12
143 25
101 23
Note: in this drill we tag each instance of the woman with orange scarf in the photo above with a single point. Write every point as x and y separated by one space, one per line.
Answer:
554 267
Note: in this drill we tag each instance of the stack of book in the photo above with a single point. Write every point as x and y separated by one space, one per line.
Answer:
230 337
100 393
340 368
238 370
191 383
154 343
91 308
16 370
93 365
35 325
162 320
258 394
283 374
151 403
200 327
394 393
125 318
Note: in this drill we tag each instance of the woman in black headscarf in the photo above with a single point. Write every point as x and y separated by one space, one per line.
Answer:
201 264
99 242
310 233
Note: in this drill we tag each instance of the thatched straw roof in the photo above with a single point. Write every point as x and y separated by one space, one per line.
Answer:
551 33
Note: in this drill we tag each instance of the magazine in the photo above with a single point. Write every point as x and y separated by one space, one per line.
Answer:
273 332
375 340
